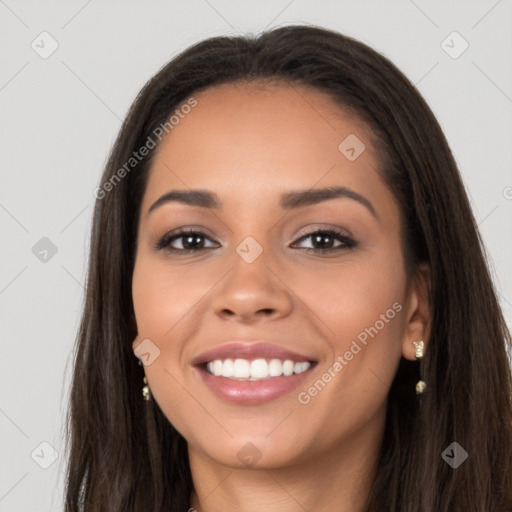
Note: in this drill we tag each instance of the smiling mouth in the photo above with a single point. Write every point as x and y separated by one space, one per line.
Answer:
256 369
252 373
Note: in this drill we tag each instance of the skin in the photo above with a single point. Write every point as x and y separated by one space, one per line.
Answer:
249 144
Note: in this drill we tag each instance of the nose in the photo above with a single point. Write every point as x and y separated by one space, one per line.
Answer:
252 292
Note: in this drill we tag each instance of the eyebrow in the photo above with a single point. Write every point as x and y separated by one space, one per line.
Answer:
288 201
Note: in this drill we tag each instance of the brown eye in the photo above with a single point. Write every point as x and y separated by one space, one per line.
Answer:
324 240
189 240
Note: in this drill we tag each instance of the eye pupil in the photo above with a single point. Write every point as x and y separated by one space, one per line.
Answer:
191 241
318 237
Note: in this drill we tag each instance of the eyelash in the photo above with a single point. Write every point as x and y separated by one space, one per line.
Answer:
348 243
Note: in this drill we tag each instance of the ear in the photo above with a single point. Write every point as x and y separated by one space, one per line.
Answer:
418 314
132 324
135 344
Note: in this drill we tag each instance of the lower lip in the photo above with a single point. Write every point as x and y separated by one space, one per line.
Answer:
246 392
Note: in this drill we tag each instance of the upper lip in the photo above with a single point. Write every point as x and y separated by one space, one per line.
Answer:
253 350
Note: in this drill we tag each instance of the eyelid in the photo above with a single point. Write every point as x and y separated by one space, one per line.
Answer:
193 228
311 229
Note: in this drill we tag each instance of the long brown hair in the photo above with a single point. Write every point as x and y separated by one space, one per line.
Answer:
124 455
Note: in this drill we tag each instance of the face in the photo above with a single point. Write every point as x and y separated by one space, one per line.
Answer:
304 291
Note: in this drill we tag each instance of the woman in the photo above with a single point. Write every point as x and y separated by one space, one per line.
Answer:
283 241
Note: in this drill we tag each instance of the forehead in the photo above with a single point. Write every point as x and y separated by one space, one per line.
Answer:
248 141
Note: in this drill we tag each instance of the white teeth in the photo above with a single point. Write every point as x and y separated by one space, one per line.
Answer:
275 368
301 367
241 369
258 369
287 368
217 367
227 368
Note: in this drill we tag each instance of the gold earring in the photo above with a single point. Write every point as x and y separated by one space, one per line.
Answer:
419 346
146 394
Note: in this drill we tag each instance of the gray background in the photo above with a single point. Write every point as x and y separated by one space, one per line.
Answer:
60 115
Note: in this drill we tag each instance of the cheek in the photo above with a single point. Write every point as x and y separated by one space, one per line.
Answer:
163 296
350 297
365 319
361 306
151 302
163 305
361 300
